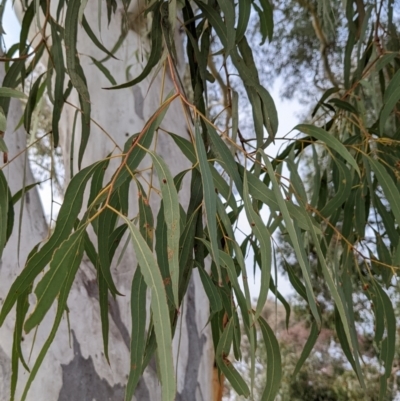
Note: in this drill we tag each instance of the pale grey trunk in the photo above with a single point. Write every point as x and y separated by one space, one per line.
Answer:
75 367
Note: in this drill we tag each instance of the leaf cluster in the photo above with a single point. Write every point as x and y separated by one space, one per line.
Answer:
345 229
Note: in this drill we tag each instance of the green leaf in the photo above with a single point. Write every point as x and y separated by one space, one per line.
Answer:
155 54
341 104
266 19
134 158
104 70
308 347
106 225
221 356
210 201
161 250
172 218
293 234
384 308
159 308
146 220
325 96
58 65
391 97
244 10
94 39
103 292
34 96
330 140
67 257
4 206
75 71
17 196
224 156
342 192
62 304
338 296
264 239
17 355
260 191
274 364
9 92
389 188
215 20
66 219
228 8
138 335
211 291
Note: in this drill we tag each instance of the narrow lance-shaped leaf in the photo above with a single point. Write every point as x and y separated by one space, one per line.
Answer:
58 64
343 190
66 219
159 308
337 296
227 7
274 364
211 291
331 141
62 304
389 188
391 97
65 258
172 219
93 37
264 238
244 10
103 291
210 201
308 347
304 264
156 50
75 71
9 92
234 377
106 225
138 335
4 205
225 157
34 96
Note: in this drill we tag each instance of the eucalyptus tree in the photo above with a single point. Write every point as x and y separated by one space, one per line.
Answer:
140 286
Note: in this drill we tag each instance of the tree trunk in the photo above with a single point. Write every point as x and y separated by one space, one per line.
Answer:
75 367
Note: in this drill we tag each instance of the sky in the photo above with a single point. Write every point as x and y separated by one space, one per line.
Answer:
11 26
287 111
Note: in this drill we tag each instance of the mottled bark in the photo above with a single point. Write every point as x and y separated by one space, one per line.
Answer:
75 367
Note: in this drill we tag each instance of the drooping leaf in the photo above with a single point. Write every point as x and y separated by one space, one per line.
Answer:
211 291
75 71
159 308
330 140
9 92
274 365
156 50
391 97
172 217
389 188
226 366
293 233
138 317
66 258
66 219
264 239
210 201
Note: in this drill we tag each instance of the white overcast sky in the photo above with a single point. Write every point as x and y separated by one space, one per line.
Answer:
287 111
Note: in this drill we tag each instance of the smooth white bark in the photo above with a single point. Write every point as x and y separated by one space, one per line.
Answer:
75 367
